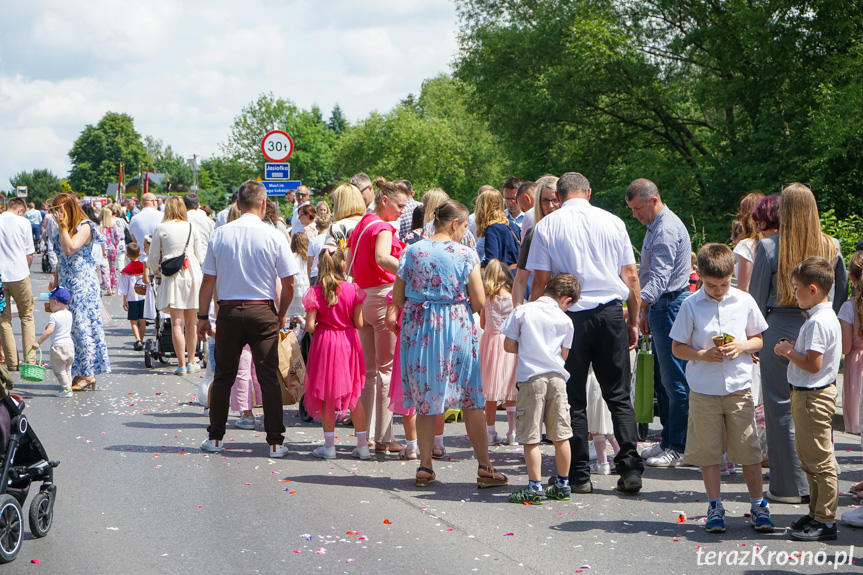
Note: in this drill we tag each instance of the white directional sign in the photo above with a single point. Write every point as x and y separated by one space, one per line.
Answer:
277 146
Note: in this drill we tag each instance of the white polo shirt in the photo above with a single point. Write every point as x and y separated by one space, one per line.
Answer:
247 256
527 223
587 242
16 243
823 334
541 329
143 225
699 320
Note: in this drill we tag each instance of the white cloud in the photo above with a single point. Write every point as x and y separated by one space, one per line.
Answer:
185 70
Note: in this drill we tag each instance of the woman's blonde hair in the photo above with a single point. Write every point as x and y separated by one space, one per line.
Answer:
175 210
541 184
234 214
391 190
800 237
496 278
73 215
490 209
300 245
431 200
331 273
106 216
855 272
347 202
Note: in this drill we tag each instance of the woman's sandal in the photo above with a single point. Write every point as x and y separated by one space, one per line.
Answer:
856 488
491 481
438 452
425 481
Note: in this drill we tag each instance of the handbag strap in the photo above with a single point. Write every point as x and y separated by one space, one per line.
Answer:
515 237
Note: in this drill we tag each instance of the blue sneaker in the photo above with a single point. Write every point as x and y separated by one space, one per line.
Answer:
760 518
526 496
715 519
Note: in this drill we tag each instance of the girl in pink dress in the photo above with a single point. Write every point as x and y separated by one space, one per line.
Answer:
396 392
496 365
336 370
852 346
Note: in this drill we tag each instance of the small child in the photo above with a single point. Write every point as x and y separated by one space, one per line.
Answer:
717 330
541 333
497 366
336 370
133 302
600 426
59 329
812 374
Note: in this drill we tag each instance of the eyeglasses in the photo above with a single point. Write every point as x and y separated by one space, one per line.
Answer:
549 201
365 188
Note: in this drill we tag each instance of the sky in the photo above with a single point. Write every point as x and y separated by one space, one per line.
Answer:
183 70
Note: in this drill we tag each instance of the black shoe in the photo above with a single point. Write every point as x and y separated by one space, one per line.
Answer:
802 522
816 531
139 346
580 488
630 482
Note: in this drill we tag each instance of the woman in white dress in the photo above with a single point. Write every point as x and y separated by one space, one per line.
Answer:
178 293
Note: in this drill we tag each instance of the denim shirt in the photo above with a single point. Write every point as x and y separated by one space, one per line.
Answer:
666 257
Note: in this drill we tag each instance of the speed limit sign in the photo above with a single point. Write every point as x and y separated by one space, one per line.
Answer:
277 146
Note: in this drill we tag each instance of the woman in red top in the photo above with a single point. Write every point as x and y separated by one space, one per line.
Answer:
373 260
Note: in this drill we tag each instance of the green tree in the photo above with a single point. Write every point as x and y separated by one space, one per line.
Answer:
433 142
312 159
98 151
164 160
337 123
41 185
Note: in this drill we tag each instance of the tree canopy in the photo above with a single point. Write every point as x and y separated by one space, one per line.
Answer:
98 151
42 185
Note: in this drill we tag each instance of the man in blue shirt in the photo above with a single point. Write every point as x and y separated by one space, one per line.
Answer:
666 261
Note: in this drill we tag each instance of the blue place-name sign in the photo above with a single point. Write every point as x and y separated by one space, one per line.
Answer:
277 172
281 188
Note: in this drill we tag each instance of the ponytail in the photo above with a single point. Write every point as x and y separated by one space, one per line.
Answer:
331 273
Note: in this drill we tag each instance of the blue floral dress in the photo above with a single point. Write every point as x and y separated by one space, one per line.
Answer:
77 273
439 341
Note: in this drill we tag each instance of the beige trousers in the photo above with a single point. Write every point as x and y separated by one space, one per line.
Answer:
379 345
62 356
22 293
812 412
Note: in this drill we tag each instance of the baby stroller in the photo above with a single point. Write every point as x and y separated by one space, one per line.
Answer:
162 347
23 460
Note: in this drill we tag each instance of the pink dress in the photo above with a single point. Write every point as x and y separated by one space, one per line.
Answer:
336 370
853 374
496 365
246 391
397 392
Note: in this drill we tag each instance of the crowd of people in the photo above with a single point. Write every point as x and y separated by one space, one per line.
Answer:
418 308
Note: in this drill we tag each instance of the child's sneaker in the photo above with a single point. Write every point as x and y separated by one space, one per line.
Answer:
493 439
601 468
362 452
526 495
245 422
559 492
65 392
325 452
760 518
510 439
715 519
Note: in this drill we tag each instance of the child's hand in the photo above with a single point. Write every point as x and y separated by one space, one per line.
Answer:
713 354
34 346
734 349
784 347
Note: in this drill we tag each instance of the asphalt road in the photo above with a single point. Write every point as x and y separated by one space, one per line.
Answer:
136 495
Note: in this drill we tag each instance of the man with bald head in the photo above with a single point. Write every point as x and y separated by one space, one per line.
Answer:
301 198
666 261
364 184
144 224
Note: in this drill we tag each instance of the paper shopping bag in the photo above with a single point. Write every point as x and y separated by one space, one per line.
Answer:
292 369
644 383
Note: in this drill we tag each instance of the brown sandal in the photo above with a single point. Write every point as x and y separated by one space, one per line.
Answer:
425 481
492 481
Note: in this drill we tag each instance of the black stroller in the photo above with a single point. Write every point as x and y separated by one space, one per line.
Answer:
162 347
23 461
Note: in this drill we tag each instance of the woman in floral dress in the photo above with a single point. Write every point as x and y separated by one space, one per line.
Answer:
113 238
76 272
440 287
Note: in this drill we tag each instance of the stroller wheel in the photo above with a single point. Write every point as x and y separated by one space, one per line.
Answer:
41 515
11 528
148 357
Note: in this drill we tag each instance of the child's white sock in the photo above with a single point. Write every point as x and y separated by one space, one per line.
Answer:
362 438
510 419
411 445
491 430
329 439
438 440
599 444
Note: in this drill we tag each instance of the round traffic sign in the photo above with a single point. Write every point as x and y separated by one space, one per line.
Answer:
277 146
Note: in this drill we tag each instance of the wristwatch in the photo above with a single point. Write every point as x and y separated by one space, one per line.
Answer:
203 316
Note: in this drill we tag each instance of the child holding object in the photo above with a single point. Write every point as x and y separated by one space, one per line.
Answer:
60 331
335 372
541 334
716 331
133 302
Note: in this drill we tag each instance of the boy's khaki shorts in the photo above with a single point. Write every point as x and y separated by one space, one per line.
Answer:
704 433
542 398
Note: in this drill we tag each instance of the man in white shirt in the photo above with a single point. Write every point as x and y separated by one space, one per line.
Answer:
301 198
244 261
363 183
202 225
144 224
594 246
16 255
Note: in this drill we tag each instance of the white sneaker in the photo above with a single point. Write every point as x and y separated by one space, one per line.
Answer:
361 452
510 439
278 451
245 422
654 451
853 517
325 452
601 468
64 393
212 446
669 458
493 439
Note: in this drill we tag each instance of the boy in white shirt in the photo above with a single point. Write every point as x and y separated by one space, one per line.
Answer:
133 302
716 331
814 364
60 331
541 334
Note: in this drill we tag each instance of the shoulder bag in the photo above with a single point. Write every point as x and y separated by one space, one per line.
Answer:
172 265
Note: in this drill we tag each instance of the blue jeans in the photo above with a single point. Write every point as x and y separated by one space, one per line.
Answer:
669 382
